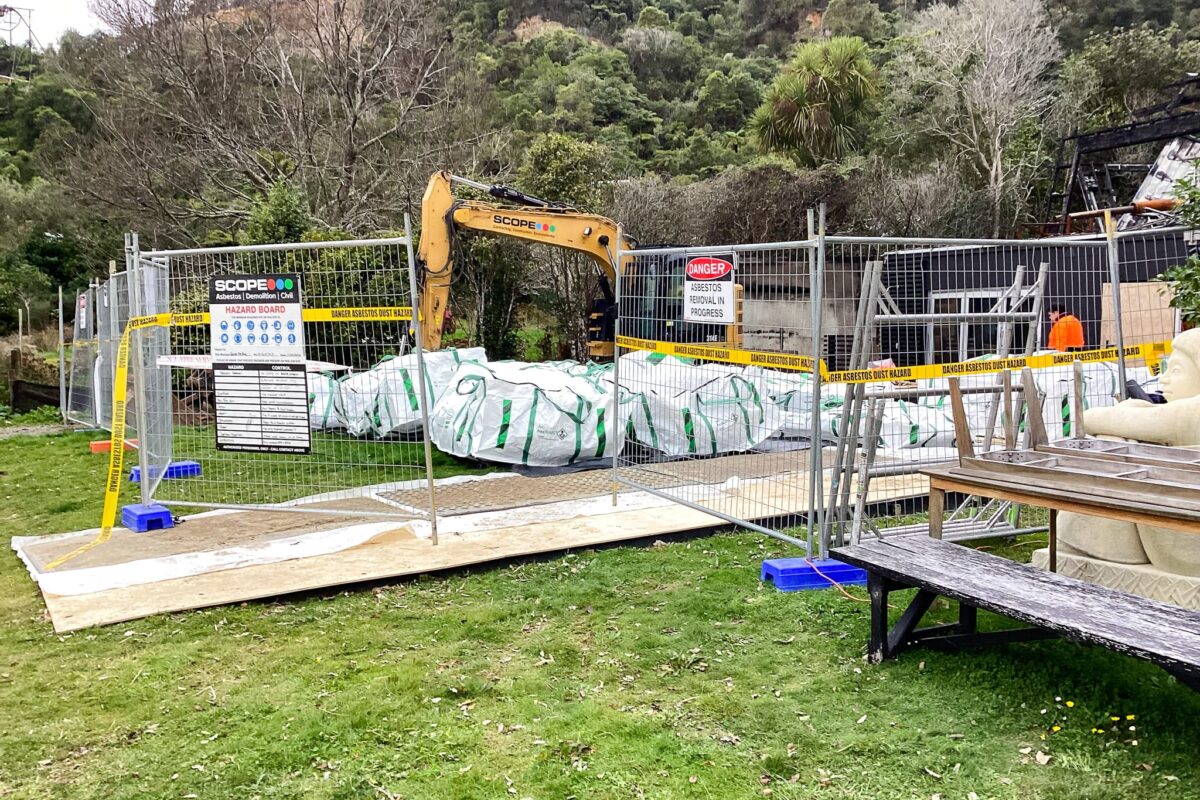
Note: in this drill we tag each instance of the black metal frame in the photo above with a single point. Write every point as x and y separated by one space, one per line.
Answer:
888 642
1178 121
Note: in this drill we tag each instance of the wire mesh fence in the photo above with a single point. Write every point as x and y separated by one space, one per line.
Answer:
81 382
101 315
333 432
711 419
796 388
738 422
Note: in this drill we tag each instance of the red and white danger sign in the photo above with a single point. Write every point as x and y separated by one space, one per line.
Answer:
708 291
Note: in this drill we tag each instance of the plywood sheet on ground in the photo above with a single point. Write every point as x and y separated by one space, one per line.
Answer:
397 554
204 532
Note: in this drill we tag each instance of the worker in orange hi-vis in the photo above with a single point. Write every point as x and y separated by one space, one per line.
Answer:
1066 331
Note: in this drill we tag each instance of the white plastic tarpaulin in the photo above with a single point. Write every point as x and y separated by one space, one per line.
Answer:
383 399
1056 384
681 409
322 402
533 414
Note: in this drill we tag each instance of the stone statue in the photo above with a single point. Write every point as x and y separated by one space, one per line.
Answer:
1177 423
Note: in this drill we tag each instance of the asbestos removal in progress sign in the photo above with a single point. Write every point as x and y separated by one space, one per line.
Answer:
708 291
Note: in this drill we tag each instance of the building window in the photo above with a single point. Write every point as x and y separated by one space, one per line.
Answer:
962 339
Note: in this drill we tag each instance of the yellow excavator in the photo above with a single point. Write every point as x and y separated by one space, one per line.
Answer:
654 282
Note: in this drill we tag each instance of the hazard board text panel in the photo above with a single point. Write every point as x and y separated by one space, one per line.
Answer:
262 407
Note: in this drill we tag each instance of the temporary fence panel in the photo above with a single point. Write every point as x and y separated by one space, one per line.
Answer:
112 314
713 379
150 392
81 386
285 444
938 309
719 418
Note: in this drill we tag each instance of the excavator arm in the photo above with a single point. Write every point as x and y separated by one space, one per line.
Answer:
519 216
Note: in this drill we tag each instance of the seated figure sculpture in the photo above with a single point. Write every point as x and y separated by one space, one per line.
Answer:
1177 424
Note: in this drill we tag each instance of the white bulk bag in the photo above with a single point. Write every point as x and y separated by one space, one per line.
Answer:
384 400
681 408
517 413
792 392
908 426
398 409
322 402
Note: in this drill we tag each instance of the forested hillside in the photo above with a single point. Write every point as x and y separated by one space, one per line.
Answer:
688 120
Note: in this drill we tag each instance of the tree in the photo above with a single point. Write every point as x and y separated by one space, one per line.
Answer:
1183 280
725 100
971 79
1077 20
560 168
497 276
926 201
23 286
651 17
1095 95
203 107
280 217
861 18
762 203
818 106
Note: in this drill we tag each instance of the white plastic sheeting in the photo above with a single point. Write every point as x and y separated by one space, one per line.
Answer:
558 413
511 412
383 399
683 409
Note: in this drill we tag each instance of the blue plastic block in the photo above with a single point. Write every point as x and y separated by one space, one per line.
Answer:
798 574
176 469
139 518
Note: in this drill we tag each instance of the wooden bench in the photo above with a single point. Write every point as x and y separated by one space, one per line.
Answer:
1052 605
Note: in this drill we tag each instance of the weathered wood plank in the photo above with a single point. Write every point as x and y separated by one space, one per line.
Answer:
1112 507
962 428
984 574
1164 630
1160 633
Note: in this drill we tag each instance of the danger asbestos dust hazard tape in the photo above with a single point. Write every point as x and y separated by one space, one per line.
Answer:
1150 352
116 451
368 314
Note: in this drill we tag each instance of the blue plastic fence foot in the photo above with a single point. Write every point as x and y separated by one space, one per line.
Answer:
141 518
798 574
175 470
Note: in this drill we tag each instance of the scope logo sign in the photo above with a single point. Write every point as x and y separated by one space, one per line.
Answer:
524 224
254 284
708 291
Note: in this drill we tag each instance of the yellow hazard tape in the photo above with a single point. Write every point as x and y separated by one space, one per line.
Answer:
1151 352
376 314
725 355
360 314
116 456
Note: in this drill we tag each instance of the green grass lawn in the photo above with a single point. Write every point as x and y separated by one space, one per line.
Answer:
655 672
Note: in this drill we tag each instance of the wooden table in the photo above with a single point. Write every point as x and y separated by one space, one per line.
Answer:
1047 495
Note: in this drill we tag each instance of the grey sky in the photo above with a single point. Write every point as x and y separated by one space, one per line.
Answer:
51 18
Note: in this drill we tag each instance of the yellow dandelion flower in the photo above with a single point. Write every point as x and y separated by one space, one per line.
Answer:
1056 728
1070 704
1115 719
1130 716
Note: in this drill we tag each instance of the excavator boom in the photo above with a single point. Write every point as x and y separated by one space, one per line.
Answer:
521 216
